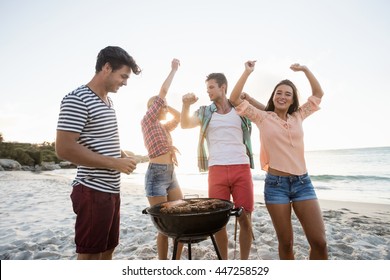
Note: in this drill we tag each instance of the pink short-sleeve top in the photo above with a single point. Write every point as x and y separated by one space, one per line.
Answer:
281 142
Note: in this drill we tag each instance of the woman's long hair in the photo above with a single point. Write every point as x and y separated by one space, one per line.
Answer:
293 107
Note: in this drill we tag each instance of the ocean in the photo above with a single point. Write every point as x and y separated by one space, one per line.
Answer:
359 175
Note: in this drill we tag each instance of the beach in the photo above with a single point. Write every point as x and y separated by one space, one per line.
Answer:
37 223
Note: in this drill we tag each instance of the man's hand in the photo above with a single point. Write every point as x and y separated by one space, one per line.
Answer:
189 98
126 165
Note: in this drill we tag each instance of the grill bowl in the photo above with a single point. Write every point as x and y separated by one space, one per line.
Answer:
192 225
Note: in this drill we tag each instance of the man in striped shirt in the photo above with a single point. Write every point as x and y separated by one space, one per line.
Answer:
87 135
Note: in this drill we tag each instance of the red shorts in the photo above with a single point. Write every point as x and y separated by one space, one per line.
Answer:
234 180
97 221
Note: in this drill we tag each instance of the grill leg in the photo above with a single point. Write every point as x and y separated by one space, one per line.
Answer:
175 249
216 247
189 250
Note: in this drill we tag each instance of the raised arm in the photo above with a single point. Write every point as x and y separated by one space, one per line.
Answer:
175 113
237 90
315 85
187 121
252 101
167 83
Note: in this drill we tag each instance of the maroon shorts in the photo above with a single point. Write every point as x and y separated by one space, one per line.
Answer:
97 221
234 180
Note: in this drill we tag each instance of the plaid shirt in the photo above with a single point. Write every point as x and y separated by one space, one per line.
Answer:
157 137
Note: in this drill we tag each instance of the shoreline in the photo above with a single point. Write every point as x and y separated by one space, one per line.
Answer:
364 208
37 222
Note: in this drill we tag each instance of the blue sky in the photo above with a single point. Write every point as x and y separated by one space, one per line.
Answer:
49 48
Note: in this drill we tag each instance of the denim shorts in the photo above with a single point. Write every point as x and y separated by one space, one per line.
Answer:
286 189
160 179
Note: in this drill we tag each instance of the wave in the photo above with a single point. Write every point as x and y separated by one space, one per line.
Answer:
258 177
329 178
365 178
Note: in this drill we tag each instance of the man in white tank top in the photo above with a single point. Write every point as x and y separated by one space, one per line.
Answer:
229 159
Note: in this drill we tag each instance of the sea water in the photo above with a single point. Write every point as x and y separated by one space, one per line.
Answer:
360 175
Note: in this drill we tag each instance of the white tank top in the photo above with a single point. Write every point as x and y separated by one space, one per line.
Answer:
225 140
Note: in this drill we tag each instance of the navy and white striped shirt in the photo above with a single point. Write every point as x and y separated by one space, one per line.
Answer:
82 111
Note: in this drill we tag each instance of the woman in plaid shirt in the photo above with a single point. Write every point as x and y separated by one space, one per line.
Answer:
160 179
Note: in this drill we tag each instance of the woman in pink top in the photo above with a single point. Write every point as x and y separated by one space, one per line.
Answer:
287 184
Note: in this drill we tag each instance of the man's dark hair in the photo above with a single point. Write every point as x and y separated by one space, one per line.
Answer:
220 78
116 57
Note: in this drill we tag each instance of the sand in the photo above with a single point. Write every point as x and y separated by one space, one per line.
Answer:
37 223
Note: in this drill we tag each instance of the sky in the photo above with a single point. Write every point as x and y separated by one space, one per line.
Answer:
49 48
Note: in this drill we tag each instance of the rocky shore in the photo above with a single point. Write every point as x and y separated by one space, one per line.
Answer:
13 165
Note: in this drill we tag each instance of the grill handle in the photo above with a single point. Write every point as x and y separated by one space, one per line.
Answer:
236 212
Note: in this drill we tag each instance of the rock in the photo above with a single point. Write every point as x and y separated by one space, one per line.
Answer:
48 166
67 164
10 164
28 168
